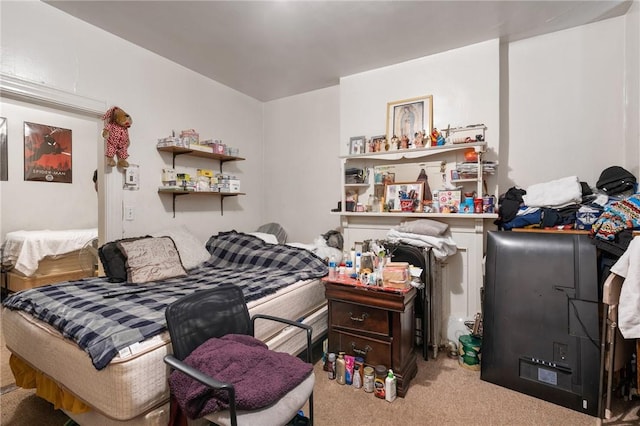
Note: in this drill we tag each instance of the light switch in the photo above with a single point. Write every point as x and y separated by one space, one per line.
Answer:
129 213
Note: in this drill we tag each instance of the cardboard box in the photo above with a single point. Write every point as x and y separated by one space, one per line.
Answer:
201 148
449 201
218 148
396 275
204 172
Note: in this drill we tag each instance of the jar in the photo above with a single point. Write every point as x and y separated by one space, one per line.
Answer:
378 384
477 205
368 380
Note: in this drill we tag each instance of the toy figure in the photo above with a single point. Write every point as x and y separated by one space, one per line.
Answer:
419 139
404 142
436 138
116 135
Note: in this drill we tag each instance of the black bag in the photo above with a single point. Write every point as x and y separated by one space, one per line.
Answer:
114 261
615 179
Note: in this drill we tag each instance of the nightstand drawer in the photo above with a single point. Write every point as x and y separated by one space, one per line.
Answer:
359 318
373 351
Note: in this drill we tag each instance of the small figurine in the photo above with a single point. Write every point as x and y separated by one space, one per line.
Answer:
404 142
436 138
419 139
395 142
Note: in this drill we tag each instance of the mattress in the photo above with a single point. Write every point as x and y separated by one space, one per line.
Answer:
54 269
24 250
133 388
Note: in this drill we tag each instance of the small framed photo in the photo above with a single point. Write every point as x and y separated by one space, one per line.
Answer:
388 178
408 117
398 196
357 145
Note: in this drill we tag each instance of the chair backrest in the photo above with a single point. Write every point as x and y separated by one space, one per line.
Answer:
197 317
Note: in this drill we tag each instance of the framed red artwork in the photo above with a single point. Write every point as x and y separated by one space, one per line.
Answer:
47 153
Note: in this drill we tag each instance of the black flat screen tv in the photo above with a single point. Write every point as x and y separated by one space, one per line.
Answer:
540 317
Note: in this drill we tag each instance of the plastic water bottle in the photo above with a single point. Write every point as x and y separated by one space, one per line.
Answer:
332 268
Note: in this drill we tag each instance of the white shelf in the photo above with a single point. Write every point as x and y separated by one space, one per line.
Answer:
417 154
429 215
400 154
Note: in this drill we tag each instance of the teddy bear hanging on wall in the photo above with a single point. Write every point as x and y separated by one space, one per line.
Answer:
116 136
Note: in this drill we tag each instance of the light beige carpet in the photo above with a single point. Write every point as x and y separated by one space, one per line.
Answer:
442 393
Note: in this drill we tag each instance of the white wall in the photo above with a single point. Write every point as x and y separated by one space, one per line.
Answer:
565 108
302 172
29 205
564 113
42 44
464 84
632 89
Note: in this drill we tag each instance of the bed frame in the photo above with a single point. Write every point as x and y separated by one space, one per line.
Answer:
120 377
132 390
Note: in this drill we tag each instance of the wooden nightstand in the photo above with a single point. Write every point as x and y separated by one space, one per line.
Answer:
375 324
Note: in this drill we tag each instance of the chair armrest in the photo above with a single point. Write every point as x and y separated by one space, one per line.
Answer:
205 380
196 374
306 327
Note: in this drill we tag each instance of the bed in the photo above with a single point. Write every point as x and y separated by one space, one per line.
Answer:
36 258
119 377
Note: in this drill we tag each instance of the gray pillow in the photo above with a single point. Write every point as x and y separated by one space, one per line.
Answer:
424 227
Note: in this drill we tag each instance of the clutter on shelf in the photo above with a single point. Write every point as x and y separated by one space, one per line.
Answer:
610 210
190 139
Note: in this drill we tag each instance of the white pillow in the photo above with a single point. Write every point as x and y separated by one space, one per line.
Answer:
192 251
267 238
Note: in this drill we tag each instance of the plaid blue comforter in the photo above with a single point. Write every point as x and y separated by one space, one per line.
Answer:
103 317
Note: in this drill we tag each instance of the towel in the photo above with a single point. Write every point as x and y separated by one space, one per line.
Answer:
442 247
556 193
628 266
260 376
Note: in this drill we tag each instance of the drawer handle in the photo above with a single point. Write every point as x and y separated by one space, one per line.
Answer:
362 352
361 319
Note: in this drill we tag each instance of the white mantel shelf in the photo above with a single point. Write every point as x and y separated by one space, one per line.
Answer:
421 215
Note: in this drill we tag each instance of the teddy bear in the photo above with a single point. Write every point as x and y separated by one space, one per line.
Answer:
116 135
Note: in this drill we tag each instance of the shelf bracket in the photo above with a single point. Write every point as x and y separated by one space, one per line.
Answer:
174 203
175 154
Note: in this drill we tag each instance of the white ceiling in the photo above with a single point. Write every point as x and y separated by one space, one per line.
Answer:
273 49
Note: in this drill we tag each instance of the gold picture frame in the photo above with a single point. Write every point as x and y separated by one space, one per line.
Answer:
392 194
408 116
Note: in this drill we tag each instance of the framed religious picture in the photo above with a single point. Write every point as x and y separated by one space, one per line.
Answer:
47 153
407 117
4 150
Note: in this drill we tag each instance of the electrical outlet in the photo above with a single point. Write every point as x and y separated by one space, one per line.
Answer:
129 213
